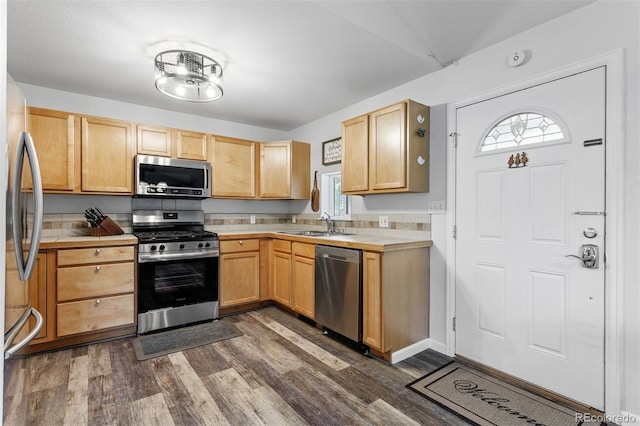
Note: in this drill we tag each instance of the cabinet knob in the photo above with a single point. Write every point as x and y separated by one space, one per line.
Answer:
97 251
241 242
97 268
98 302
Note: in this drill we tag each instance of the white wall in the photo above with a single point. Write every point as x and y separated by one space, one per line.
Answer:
599 28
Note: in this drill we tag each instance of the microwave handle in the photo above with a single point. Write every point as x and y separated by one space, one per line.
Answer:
207 180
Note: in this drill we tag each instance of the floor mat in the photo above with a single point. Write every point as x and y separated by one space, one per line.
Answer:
166 342
486 400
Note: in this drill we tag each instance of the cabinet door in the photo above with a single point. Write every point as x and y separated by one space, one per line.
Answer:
239 278
191 145
233 163
372 315
19 294
282 278
275 170
388 148
57 142
303 285
355 154
153 141
107 155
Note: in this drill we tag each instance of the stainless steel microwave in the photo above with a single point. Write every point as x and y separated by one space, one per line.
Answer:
171 178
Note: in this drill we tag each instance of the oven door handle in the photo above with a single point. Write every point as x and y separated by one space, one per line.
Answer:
147 258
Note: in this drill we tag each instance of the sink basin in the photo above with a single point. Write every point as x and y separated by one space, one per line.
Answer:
314 233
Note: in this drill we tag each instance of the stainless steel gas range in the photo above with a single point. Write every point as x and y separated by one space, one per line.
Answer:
178 265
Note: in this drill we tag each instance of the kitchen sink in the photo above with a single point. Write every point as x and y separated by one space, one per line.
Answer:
314 233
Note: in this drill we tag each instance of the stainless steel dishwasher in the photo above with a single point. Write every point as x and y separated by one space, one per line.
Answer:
338 305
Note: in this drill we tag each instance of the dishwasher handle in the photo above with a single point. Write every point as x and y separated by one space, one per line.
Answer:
332 256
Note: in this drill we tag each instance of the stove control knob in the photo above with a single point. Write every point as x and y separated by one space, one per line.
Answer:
162 247
199 245
181 246
207 245
153 248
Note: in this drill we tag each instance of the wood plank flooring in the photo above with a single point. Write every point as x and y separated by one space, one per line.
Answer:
282 371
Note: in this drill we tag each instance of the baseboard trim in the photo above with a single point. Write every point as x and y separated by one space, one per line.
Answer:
416 348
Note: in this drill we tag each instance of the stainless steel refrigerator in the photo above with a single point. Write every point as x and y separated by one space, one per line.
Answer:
24 205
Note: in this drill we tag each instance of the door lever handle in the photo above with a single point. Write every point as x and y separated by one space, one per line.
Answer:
585 258
589 258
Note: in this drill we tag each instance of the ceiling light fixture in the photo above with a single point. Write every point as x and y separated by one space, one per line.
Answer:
188 76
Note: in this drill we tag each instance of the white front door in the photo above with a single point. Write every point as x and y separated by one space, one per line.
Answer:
530 180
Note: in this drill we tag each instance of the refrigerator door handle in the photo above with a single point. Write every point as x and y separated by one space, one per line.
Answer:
26 144
13 332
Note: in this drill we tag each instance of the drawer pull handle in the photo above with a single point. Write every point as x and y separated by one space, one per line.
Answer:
97 268
97 251
98 302
241 242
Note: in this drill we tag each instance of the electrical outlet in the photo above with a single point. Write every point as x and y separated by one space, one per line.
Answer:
252 220
293 219
383 221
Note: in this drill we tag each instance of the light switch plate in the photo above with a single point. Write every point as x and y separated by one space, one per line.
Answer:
383 221
436 206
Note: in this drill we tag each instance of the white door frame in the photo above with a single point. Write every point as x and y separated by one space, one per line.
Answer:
614 173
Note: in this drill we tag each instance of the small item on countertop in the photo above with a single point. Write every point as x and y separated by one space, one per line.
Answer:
102 224
315 194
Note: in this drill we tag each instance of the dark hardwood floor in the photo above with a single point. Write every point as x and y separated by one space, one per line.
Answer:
281 371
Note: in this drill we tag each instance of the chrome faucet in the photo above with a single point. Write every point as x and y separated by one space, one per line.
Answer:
330 223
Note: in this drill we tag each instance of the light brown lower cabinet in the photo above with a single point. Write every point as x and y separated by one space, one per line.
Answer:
303 279
281 273
239 272
95 289
19 294
372 313
395 298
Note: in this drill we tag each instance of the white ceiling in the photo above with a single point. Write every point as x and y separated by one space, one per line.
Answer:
286 63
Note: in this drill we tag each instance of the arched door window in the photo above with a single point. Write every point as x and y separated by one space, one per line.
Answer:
523 129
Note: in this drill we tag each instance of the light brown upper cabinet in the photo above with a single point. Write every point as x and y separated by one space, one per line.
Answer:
56 135
107 155
154 140
82 153
233 167
174 143
285 170
387 150
191 145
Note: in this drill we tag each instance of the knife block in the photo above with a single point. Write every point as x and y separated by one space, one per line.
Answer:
106 227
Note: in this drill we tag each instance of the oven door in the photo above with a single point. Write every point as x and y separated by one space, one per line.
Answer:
175 283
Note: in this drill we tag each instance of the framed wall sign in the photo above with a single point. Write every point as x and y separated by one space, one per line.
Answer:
332 151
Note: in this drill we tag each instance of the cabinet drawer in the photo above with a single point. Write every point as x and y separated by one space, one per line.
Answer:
95 314
79 282
282 245
95 255
239 245
305 250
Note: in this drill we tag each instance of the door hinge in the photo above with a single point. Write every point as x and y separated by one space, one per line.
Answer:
455 232
454 135
454 323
